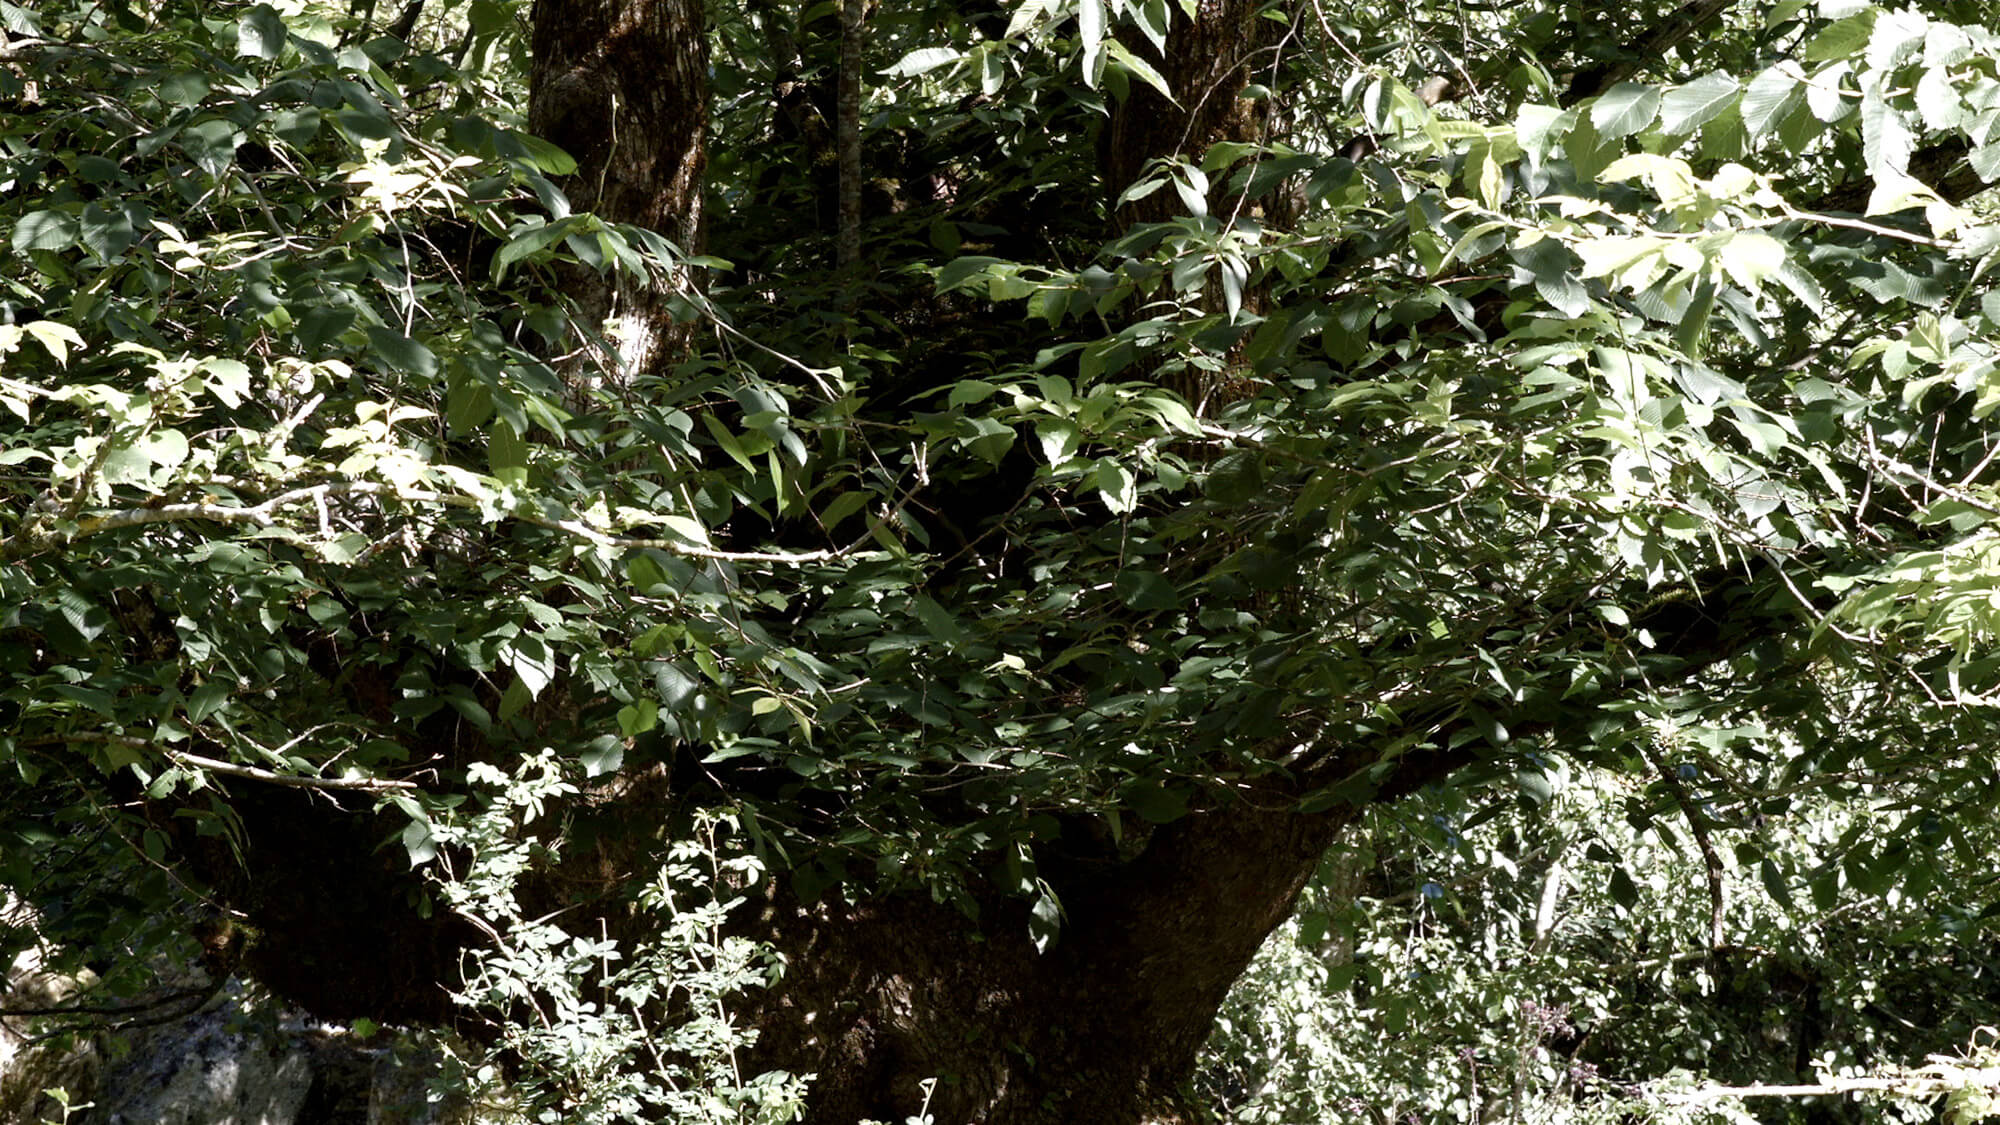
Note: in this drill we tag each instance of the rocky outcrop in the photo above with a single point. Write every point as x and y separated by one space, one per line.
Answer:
237 1059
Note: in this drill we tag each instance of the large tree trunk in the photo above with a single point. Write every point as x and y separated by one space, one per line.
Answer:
622 85
887 993
1104 1026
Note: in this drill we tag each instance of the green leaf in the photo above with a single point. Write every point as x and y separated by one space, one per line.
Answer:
843 506
1770 98
419 843
674 686
468 405
1624 109
1534 786
962 271
530 240
1687 107
260 34
55 336
1156 803
402 353
534 662
1774 883
1751 257
923 60
1843 37
638 717
1691 334
321 326
206 699
547 157
1140 68
1116 486
106 232
940 623
1886 139
211 144
603 754
1623 891
45 230
1145 589
1044 920
506 453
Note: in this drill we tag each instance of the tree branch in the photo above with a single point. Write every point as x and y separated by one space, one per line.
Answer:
1920 1085
296 781
1718 900
233 769
1648 47
28 541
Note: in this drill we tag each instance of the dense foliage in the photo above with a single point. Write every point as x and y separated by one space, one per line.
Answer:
1590 449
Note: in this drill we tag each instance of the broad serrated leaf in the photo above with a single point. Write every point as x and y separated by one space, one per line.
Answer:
1044 921
1749 257
1843 37
1886 139
1116 486
603 754
1769 98
1687 107
105 231
418 842
1156 803
1624 109
1145 589
534 661
674 686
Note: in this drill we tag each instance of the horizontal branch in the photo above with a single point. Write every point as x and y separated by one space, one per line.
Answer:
177 997
266 514
233 769
296 781
1923 1085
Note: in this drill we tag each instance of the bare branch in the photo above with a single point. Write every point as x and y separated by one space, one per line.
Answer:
232 769
295 781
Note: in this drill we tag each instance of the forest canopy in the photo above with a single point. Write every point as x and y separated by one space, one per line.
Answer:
927 532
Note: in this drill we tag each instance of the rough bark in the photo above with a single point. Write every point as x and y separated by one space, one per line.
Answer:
1104 1026
853 21
622 86
1207 63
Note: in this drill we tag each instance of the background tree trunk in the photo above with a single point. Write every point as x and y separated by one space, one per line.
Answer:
1207 63
622 86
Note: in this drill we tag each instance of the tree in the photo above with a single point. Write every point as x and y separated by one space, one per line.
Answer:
1201 452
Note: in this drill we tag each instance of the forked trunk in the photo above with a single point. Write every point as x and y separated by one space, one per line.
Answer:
1105 1026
